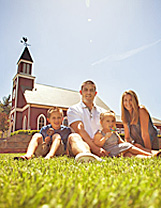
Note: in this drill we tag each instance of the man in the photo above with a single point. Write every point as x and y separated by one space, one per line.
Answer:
84 119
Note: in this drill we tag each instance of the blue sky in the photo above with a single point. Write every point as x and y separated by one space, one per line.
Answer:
116 43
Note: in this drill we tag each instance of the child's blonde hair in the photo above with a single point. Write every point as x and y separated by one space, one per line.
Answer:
54 109
107 113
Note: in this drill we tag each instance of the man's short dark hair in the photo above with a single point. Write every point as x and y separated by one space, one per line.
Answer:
88 82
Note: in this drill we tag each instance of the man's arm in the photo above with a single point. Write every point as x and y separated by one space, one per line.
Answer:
78 127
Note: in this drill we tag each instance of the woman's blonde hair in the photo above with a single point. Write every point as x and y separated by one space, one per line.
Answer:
107 113
125 116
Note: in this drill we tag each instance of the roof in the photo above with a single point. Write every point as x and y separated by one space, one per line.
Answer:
156 121
53 96
26 55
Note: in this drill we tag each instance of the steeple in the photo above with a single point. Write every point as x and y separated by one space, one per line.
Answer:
26 55
25 63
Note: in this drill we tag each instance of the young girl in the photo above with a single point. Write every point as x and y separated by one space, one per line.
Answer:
108 139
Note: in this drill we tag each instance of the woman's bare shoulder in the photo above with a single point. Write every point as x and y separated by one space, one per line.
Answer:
143 110
144 115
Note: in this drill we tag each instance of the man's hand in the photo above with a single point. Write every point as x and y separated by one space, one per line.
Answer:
100 152
103 152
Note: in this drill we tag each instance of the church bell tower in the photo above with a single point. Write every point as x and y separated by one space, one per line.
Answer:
22 81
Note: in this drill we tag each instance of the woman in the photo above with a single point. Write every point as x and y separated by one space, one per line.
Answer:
137 123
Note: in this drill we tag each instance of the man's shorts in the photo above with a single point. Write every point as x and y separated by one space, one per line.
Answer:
44 148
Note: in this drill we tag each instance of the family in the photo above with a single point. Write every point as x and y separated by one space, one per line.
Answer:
92 131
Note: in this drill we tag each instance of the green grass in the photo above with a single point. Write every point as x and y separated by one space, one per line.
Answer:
62 183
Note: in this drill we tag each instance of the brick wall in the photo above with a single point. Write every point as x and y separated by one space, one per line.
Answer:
19 144
15 144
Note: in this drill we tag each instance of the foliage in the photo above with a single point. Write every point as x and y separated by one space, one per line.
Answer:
28 132
61 182
122 135
4 122
5 106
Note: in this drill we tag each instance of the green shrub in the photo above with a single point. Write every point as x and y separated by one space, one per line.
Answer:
28 132
159 136
122 135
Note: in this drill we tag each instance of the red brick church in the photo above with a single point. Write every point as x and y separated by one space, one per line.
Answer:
30 101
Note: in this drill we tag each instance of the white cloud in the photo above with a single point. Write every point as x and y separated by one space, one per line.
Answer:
125 55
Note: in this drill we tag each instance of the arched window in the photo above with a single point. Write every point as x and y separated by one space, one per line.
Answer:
41 121
24 123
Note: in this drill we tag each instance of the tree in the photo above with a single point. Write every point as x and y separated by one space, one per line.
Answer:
5 108
4 122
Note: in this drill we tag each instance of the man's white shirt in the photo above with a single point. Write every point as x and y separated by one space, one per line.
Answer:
90 119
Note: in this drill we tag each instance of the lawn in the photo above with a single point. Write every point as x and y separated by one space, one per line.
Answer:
63 183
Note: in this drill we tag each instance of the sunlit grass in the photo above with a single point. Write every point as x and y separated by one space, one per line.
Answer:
61 182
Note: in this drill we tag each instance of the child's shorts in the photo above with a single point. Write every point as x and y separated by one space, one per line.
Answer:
44 148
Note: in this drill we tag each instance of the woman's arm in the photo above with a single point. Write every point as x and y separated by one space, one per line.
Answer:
127 133
144 122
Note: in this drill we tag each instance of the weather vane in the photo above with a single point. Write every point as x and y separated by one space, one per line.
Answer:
24 41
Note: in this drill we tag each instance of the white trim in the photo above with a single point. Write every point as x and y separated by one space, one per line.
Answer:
25 61
20 109
38 118
29 127
23 109
12 111
24 76
10 124
24 126
17 83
